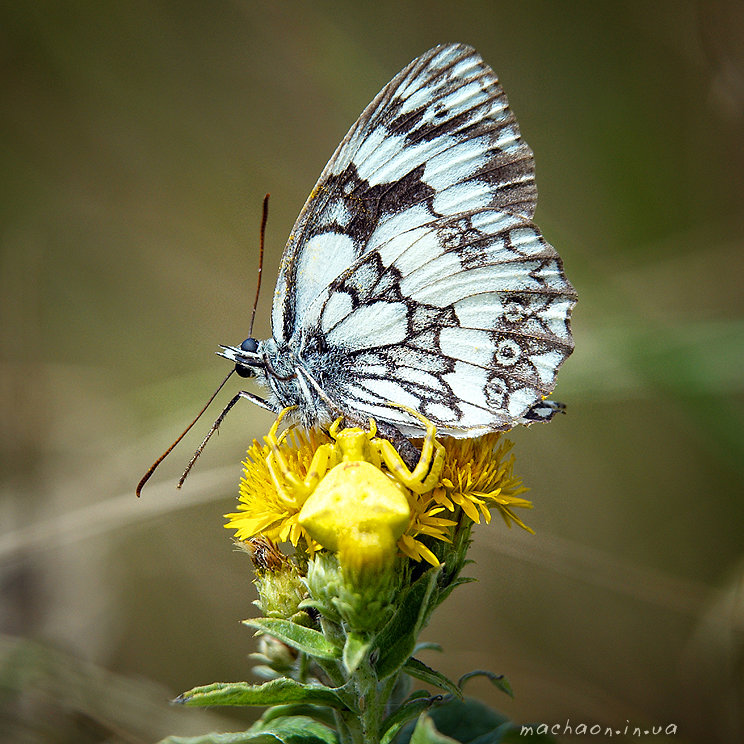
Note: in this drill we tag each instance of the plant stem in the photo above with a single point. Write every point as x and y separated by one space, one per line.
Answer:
372 701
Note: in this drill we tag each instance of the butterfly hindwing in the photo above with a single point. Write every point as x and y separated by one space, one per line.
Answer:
464 318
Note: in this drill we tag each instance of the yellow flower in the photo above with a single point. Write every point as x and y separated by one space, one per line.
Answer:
262 509
477 476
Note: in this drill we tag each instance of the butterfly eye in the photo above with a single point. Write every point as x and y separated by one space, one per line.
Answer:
244 371
250 346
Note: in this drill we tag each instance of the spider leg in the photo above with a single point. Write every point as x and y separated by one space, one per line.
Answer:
428 468
281 473
333 429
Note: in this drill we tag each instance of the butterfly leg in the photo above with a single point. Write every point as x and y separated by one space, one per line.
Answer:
260 402
215 426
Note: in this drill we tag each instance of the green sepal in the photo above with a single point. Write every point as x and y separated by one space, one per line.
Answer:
396 641
497 680
355 649
278 691
407 712
420 671
304 639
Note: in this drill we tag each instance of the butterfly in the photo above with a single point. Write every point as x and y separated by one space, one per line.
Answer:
414 275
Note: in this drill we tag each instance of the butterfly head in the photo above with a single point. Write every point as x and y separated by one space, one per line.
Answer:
247 357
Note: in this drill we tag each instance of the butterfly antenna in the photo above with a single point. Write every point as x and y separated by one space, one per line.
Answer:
220 418
153 467
264 218
200 448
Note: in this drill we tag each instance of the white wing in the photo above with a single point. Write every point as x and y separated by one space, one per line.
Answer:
439 140
464 318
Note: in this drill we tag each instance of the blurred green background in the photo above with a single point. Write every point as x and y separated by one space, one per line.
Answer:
136 143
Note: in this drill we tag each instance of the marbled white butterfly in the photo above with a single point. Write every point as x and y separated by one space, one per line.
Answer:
414 274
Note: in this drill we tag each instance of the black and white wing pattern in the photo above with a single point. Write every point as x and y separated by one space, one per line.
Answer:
440 135
414 274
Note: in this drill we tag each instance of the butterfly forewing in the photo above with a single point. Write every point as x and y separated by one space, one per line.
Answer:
441 131
414 274
471 331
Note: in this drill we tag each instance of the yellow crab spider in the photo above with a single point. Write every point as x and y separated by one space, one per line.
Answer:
356 445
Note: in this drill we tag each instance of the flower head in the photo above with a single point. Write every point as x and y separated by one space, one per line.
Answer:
278 582
476 476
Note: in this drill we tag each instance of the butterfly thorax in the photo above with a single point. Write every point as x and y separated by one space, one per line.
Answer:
304 372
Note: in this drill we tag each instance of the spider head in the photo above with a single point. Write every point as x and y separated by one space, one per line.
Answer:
354 442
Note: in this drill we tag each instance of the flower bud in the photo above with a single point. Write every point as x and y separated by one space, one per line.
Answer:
279 584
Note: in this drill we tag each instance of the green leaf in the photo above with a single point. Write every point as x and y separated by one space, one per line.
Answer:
408 711
304 639
511 733
319 713
240 737
277 691
281 730
355 649
497 680
467 721
426 733
420 671
447 590
460 580
396 641
296 730
428 646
